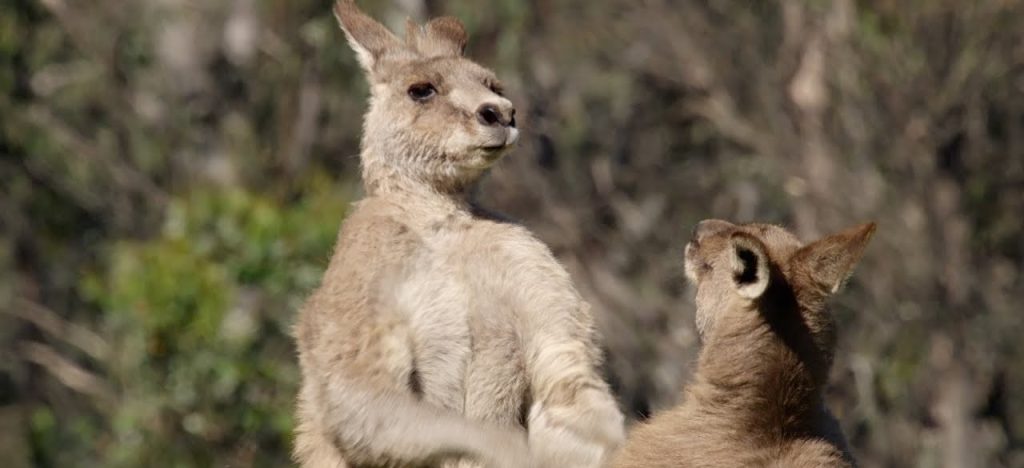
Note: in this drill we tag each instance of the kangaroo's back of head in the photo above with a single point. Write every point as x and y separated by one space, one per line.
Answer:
436 118
746 269
768 344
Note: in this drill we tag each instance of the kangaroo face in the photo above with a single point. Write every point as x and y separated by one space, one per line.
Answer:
447 113
435 117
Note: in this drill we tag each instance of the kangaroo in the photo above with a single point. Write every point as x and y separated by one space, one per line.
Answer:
768 343
441 335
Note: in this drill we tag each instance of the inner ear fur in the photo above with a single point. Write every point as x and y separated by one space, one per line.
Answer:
749 264
828 262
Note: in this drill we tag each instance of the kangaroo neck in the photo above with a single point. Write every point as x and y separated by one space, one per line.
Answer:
751 374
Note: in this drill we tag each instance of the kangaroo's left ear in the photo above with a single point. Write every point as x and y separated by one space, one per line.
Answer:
749 264
829 261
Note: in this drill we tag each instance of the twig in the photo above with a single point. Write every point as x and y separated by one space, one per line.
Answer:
67 372
50 322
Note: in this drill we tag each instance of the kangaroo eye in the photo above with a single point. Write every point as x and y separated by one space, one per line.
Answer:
496 89
421 92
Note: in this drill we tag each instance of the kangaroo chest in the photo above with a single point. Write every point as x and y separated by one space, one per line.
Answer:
456 332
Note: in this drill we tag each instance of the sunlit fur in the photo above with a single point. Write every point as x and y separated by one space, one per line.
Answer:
768 342
439 335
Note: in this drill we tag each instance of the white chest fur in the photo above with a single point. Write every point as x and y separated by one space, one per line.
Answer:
435 300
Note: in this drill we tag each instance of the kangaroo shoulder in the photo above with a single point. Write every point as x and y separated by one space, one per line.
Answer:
374 224
371 245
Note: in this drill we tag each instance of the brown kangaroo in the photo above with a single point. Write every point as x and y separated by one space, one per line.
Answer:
439 335
768 343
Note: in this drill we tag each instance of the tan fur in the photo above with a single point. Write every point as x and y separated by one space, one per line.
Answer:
440 336
769 341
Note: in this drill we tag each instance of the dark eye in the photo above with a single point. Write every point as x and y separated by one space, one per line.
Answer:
496 89
420 92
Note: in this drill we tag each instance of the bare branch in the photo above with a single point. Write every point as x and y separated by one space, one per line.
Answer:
67 372
52 323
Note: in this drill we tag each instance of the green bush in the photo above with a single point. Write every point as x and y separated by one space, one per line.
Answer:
199 319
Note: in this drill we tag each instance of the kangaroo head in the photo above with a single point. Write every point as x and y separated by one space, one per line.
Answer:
762 268
435 117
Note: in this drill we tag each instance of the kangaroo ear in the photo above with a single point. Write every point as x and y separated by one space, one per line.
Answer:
368 38
828 262
749 264
440 37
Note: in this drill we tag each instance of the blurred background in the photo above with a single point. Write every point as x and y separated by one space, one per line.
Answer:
173 174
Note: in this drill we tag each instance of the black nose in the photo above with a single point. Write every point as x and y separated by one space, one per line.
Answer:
491 115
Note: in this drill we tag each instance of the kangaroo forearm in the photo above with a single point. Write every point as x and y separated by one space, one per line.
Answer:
567 384
560 368
574 421
560 344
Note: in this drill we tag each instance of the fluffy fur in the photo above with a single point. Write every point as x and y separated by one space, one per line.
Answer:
440 336
769 341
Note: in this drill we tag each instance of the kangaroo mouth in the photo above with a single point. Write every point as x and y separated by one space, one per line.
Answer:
510 137
492 153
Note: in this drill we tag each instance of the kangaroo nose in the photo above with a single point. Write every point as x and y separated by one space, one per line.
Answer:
491 115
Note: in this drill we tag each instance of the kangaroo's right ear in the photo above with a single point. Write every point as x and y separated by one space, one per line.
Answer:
750 272
368 38
440 37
